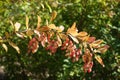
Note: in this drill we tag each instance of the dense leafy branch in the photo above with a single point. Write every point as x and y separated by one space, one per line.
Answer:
75 44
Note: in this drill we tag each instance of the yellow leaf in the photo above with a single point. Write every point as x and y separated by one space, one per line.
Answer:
73 30
63 36
54 14
17 26
96 43
52 26
29 32
99 59
5 47
58 29
84 38
1 40
59 40
39 21
27 21
14 46
82 34
21 35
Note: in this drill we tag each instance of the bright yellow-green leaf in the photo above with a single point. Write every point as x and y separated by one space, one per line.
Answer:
27 21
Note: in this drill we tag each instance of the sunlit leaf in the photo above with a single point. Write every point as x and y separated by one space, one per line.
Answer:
73 30
21 35
59 40
96 43
39 21
99 59
82 34
17 26
84 38
5 47
73 38
63 36
1 40
54 14
91 39
14 46
52 26
27 21
44 28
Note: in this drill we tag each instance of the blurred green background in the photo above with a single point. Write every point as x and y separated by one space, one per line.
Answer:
100 18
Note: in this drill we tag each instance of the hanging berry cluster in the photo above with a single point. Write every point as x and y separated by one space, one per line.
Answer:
75 44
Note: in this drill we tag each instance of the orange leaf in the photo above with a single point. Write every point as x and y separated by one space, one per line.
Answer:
99 59
82 34
44 28
54 14
73 30
96 43
63 36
